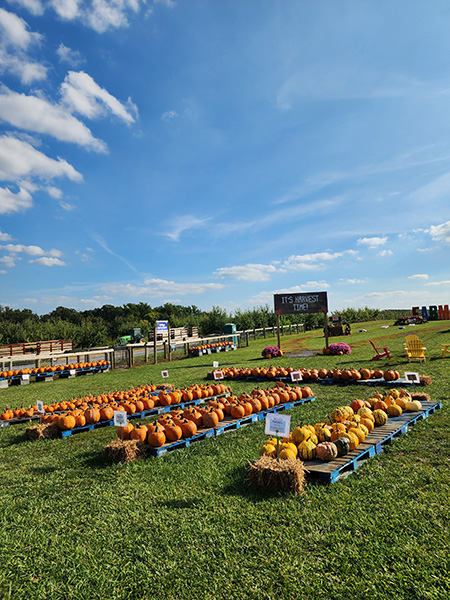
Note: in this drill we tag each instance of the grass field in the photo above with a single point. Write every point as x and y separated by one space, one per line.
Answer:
186 526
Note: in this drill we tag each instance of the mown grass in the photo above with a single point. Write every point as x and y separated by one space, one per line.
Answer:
186 526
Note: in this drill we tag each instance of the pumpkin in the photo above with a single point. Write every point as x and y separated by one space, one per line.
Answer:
326 451
66 422
189 428
156 438
413 406
123 433
139 433
287 454
356 405
359 433
394 410
268 450
339 414
353 439
323 434
365 413
343 446
210 418
380 417
173 432
306 450
369 424
92 415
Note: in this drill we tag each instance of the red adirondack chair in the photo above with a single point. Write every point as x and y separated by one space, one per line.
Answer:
380 352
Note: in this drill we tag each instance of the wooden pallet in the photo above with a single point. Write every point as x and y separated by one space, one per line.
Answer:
330 472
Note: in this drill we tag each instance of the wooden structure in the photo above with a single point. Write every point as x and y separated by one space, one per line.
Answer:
445 350
380 351
47 347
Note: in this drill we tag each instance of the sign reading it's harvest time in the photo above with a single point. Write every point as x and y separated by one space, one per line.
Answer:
304 302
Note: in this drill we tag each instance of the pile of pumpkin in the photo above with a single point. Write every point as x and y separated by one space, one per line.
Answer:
178 424
308 374
92 409
345 430
211 346
54 369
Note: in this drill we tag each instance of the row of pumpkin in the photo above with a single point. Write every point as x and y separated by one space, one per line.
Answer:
134 400
54 369
347 427
177 424
307 374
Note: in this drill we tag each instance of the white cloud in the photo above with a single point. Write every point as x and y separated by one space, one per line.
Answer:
54 192
385 253
47 261
267 296
18 160
5 237
14 31
9 261
80 93
15 41
11 202
372 242
311 261
67 55
157 288
419 276
36 114
437 283
353 281
30 250
183 223
440 233
249 272
169 115
35 7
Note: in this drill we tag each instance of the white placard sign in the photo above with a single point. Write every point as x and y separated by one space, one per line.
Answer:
218 374
164 374
216 364
120 418
296 376
412 377
40 406
278 425
208 351
72 371
25 377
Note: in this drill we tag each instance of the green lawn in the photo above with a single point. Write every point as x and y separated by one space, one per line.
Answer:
186 526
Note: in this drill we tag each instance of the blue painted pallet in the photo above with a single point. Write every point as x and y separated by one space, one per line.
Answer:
89 427
374 444
184 443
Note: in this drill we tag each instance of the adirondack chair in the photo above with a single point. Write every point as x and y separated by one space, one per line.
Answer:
445 350
380 352
415 350
409 338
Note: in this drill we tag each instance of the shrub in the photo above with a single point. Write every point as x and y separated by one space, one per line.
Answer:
339 347
271 352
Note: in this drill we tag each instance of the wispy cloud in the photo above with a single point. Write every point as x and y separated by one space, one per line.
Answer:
440 233
249 272
102 243
183 223
159 288
419 276
372 242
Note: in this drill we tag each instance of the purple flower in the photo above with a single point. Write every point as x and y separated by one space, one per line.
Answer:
339 347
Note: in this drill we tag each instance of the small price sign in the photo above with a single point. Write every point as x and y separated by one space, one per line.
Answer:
218 374
216 364
72 371
296 376
164 374
278 425
40 406
25 377
412 377
120 418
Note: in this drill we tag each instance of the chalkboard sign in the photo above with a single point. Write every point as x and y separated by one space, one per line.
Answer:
301 303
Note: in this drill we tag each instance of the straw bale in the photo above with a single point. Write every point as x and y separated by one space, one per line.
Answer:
125 450
41 431
284 475
425 380
420 397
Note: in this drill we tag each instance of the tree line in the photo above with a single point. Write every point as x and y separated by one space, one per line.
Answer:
103 326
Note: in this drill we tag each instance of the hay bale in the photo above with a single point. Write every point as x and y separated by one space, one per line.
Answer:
284 475
124 451
425 380
421 397
41 431
165 386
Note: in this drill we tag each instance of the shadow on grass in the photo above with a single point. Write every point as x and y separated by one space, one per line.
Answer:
14 439
183 503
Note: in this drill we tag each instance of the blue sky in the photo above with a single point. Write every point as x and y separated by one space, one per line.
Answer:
215 153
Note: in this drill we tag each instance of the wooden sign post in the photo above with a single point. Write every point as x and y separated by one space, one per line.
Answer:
301 303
